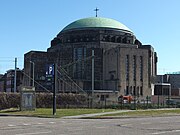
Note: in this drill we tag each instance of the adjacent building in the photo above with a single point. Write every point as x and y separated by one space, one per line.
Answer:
2 82
7 81
10 80
173 79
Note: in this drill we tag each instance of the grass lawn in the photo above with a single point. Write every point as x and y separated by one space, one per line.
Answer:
47 112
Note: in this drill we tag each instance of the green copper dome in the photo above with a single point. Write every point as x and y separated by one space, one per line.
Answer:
96 22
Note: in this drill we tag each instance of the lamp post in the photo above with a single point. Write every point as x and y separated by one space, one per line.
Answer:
33 73
92 76
15 74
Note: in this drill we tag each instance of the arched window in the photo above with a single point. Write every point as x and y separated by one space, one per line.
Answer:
119 40
113 39
124 40
108 38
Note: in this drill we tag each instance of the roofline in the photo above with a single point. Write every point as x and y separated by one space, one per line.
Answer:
32 51
94 28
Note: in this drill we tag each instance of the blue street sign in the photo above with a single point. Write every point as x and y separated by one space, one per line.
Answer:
50 70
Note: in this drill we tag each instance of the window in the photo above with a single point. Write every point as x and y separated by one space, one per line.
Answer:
124 40
127 67
134 91
141 91
134 67
102 98
127 90
141 68
119 40
113 39
79 54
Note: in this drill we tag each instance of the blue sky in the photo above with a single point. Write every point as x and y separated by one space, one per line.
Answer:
31 24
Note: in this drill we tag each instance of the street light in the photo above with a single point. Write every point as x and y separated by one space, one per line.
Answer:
92 76
33 72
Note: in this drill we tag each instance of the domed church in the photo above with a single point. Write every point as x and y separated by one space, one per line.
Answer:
121 62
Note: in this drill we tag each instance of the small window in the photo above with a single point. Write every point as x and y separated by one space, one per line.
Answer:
141 91
102 97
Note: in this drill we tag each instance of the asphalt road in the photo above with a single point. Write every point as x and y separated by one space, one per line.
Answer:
125 126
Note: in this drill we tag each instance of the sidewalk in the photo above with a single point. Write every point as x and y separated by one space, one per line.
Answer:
94 114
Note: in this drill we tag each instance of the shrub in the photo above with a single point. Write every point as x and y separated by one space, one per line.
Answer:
9 100
44 100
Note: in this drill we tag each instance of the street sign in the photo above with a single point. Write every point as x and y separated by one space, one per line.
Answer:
51 76
50 70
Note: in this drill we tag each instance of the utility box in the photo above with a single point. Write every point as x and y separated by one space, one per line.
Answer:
28 98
